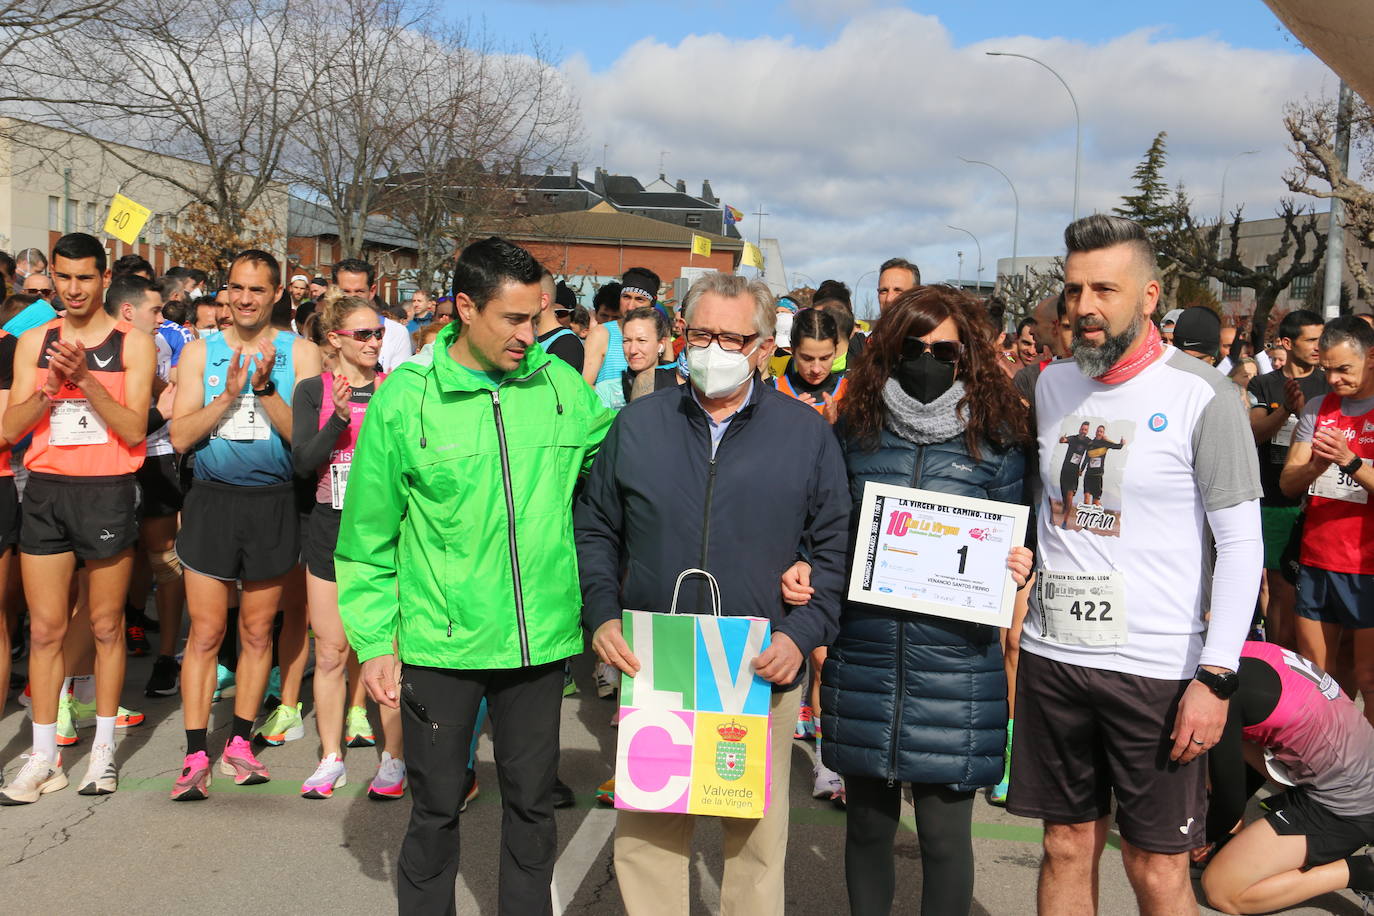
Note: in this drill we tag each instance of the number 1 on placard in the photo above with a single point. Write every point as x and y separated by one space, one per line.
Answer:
963 558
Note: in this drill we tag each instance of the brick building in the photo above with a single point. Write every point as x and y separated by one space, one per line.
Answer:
312 248
593 247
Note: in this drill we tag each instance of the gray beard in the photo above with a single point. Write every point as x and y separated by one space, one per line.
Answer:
1094 362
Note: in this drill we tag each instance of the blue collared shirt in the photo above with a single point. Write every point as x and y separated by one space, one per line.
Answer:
718 427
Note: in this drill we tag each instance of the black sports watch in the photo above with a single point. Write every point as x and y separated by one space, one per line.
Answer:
1223 685
1355 464
266 391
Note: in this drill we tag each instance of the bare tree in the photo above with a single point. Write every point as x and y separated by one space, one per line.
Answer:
217 82
27 21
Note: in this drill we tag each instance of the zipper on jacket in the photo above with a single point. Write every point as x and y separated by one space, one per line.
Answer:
706 526
897 704
510 529
916 468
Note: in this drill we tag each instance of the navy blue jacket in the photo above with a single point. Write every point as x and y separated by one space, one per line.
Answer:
908 697
656 503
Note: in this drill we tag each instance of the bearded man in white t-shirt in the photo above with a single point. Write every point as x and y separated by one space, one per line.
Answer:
1124 678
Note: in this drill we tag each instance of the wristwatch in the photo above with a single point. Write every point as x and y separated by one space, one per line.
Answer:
266 391
1355 464
1223 685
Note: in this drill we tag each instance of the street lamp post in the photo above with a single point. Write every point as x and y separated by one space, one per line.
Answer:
859 283
977 245
1016 212
1078 121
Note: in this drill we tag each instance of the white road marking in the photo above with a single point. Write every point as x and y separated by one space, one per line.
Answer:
582 852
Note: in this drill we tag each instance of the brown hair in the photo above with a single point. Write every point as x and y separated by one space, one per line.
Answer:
336 309
994 410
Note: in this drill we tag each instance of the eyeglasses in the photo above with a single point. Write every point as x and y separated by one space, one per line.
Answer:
363 335
946 351
698 337
562 313
43 293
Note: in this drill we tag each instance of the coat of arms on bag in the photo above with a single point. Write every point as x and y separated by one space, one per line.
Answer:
730 752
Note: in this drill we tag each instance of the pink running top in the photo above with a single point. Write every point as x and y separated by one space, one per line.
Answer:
1316 733
342 452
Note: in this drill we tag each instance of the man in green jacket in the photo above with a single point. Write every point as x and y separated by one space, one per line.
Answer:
457 549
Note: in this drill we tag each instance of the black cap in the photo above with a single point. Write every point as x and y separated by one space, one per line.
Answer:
564 297
1199 329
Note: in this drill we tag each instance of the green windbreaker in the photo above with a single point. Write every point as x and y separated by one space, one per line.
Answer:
456 538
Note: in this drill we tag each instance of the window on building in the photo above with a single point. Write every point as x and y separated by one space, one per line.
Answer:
69 217
54 214
90 218
1230 293
1300 289
550 197
694 219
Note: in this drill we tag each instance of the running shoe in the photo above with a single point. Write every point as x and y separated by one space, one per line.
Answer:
839 799
806 727
136 641
328 776
569 685
26 698
272 697
390 781
38 777
997 795
163 681
472 791
827 784
358 731
66 722
83 714
225 685
563 796
605 793
101 777
283 725
238 761
194 782
607 680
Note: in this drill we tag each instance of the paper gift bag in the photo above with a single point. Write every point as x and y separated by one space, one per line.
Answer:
693 736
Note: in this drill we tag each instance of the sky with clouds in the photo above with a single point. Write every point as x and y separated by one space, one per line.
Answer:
844 119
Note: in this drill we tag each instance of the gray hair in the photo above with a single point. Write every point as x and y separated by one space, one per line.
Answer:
731 286
1093 233
1348 329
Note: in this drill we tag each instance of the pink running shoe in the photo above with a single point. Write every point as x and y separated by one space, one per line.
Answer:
390 782
238 761
194 782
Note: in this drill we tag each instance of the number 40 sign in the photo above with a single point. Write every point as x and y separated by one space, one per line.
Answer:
936 553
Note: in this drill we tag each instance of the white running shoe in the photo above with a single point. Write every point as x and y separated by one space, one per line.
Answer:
390 781
101 776
607 680
328 776
828 783
38 777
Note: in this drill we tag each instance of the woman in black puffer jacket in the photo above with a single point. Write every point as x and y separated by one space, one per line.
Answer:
910 698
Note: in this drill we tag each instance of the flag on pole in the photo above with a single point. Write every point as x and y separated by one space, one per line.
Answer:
732 215
701 245
752 257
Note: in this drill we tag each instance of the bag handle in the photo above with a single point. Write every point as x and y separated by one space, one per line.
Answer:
715 589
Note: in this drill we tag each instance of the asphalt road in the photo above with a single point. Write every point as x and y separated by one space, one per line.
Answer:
266 849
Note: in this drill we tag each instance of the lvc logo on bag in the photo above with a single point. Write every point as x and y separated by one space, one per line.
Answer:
730 752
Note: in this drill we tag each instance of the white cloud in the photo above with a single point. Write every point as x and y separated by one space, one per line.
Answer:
852 147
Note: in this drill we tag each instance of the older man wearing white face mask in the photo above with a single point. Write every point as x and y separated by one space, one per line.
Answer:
727 475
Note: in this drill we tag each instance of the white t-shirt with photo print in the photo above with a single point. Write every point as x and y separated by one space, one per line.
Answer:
1174 443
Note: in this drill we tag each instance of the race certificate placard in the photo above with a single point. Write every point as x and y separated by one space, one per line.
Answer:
936 553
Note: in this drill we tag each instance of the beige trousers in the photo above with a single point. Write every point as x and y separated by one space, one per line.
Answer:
653 851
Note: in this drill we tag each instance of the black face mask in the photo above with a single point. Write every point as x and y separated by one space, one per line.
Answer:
924 377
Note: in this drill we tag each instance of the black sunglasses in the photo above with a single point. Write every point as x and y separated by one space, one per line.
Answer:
946 351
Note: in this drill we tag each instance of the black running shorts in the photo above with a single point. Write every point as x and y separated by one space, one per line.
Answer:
321 536
160 481
1084 734
92 517
246 533
9 513
1330 836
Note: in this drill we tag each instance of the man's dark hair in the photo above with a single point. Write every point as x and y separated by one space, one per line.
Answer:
1025 323
905 265
132 264
1061 306
127 288
7 264
178 272
607 296
564 297
832 291
1093 233
354 266
77 246
997 312
485 266
1292 324
1348 329
175 312
258 256
199 276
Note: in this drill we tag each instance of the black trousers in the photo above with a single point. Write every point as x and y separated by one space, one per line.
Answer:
438 709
